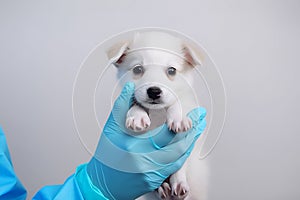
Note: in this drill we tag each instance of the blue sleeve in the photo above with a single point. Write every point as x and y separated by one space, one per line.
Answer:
12 189
77 187
10 186
68 190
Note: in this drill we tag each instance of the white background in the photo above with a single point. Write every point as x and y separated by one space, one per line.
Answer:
255 44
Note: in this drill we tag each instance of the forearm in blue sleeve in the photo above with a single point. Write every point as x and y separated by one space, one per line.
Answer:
77 187
10 186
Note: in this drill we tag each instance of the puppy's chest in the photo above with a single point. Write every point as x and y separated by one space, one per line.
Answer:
157 117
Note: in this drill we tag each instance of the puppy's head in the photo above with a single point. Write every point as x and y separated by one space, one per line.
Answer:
160 65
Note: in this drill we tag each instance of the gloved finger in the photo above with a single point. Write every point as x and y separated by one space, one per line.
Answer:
197 116
122 104
124 101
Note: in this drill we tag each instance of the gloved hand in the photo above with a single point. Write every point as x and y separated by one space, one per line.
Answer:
126 166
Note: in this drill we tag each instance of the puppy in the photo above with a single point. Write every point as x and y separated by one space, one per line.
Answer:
162 68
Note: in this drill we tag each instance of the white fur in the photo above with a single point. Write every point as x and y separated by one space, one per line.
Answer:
156 52
137 119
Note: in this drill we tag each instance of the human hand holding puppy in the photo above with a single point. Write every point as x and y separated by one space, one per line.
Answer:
126 166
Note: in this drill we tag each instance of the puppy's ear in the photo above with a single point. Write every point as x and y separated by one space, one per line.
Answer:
192 57
117 52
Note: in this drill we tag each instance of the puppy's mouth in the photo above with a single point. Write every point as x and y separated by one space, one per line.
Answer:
150 103
153 102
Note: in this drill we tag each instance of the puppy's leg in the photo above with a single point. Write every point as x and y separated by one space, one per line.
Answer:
177 121
137 119
179 185
175 187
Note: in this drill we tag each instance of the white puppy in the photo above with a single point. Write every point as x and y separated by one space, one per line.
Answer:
162 68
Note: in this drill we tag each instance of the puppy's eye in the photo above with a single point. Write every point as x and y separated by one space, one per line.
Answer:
171 71
138 69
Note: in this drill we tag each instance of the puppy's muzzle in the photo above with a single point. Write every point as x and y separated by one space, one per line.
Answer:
154 93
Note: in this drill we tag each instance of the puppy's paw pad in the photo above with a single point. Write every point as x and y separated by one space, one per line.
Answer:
164 191
138 123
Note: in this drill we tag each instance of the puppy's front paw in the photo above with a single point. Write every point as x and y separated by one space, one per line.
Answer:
137 119
180 124
138 123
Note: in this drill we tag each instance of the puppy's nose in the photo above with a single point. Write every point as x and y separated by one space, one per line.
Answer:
154 92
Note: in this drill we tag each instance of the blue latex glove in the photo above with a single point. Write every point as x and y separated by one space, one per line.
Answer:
10 186
125 166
